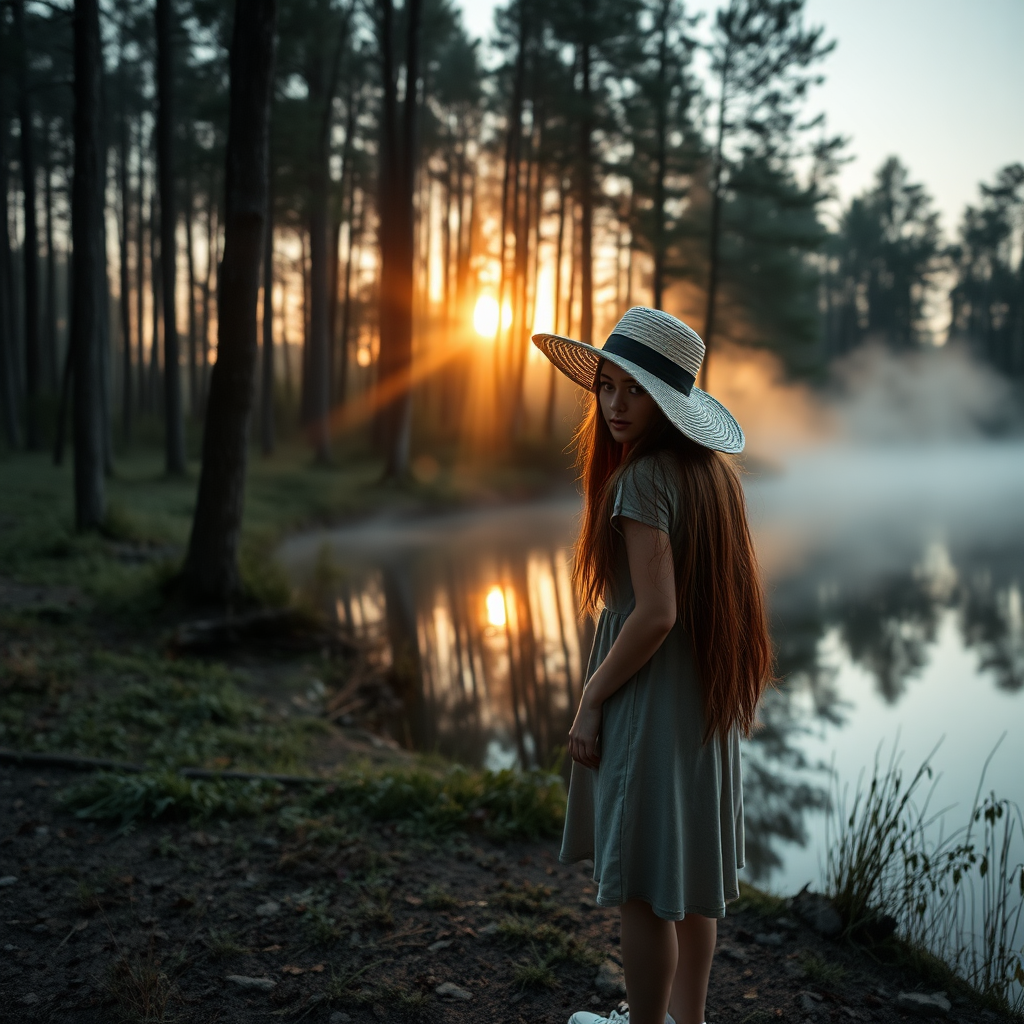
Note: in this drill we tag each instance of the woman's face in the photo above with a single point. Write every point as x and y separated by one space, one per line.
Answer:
626 407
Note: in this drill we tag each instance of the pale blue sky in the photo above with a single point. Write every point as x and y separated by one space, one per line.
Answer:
940 83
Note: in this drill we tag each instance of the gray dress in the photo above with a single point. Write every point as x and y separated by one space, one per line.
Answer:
662 816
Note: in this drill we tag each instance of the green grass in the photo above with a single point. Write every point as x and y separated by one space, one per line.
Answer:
535 973
438 898
149 514
430 803
143 708
825 973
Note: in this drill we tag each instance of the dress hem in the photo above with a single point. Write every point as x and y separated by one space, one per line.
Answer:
669 915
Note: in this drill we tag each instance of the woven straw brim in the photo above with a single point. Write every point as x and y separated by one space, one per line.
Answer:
697 415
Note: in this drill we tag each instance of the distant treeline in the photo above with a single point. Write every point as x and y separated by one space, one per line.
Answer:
573 164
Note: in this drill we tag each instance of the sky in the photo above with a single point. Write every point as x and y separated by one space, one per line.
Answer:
939 83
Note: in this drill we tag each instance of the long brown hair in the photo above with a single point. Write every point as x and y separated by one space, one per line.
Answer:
720 596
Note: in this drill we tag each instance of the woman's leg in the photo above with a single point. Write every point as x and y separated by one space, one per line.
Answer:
648 960
695 940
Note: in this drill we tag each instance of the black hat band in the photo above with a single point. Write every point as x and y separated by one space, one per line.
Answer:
653 362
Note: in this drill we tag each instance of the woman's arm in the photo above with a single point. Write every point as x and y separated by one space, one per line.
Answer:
652 573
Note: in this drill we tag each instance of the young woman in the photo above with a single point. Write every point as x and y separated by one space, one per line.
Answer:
680 659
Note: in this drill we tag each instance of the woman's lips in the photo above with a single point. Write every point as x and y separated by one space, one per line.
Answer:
619 423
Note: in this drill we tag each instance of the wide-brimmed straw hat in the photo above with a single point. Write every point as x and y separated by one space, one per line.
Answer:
663 355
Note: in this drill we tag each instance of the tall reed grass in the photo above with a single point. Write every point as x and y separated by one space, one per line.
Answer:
959 896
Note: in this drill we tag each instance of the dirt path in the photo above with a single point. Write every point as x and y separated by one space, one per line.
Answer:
245 921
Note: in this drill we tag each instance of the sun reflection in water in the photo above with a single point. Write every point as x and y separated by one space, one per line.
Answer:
495 601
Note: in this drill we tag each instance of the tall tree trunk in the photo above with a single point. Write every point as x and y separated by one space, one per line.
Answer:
88 290
174 430
586 198
661 130
140 274
194 404
510 185
715 229
52 348
30 248
318 370
211 566
321 95
549 405
8 333
126 316
156 294
354 228
399 178
267 375
207 289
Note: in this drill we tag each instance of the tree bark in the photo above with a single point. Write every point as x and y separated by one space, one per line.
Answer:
194 405
140 275
661 129
267 375
8 333
211 566
174 430
30 247
125 304
354 228
88 291
586 199
398 177
52 350
549 405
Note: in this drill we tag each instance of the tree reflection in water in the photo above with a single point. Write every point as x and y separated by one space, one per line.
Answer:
487 656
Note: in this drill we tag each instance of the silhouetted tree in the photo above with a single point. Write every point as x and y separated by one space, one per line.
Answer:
882 259
760 56
30 247
174 430
395 234
89 289
664 143
987 299
211 565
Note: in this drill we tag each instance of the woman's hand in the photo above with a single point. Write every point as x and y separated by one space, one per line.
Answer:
583 736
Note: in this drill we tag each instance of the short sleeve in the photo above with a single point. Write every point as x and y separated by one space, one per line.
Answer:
643 492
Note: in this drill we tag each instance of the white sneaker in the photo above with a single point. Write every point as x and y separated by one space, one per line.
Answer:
585 1017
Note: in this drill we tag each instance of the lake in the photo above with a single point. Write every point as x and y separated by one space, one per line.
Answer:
895 580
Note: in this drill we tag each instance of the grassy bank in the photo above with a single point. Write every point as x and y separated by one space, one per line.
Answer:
150 514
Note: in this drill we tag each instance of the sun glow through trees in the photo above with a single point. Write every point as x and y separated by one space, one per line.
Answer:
485 316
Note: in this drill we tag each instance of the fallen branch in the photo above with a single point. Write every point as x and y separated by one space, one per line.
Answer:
76 763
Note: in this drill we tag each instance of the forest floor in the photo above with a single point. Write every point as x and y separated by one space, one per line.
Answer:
412 892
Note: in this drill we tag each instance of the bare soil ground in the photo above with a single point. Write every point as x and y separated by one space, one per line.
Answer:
255 921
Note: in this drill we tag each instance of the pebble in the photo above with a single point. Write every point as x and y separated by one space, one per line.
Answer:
436 947
8 880
339 1017
488 929
265 984
29 999
447 988
923 1005
268 909
769 938
609 980
807 1004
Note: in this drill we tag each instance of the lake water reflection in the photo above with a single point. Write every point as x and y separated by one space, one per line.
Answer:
895 580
